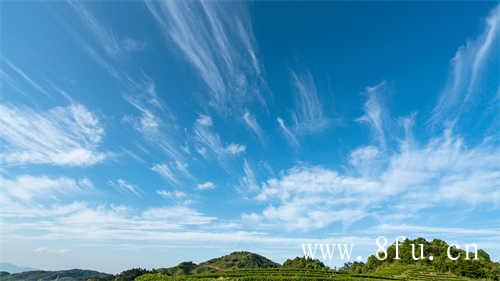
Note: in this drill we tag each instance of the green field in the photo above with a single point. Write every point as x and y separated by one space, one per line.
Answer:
417 273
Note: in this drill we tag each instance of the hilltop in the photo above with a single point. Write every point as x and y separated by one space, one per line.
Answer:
483 268
235 260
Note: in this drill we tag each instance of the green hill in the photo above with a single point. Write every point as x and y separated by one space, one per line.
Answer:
234 260
484 268
302 262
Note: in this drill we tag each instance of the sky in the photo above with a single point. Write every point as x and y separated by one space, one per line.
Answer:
148 133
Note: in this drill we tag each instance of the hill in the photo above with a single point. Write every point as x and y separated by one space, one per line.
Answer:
12 268
302 262
62 275
483 268
234 260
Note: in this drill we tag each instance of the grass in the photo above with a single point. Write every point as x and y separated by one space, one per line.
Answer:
395 272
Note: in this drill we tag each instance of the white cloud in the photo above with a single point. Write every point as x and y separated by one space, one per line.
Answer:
205 186
217 40
308 116
23 75
178 214
235 149
374 113
437 230
172 195
289 135
64 136
252 123
155 121
363 154
206 139
166 172
366 160
176 224
183 168
107 40
99 222
26 188
443 171
204 120
248 183
49 251
126 186
472 71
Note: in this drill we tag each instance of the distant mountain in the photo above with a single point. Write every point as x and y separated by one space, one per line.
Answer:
62 275
12 268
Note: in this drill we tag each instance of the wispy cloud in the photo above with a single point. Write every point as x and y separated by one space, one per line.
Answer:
106 38
254 126
205 186
472 70
167 173
123 185
26 187
49 251
100 222
207 140
289 135
375 114
219 44
235 149
308 116
24 76
437 230
248 182
60 136
171 195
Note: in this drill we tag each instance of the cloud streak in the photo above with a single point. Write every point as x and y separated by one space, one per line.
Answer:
254 126
472 71
62 136
309 116
106 38
374 113
123 185
24 76
209 143
287 133
27 188
218 43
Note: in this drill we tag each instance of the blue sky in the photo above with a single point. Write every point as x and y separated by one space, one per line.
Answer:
146 133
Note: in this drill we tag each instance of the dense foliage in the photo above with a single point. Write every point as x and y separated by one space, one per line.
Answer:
302 262
482 268
236 260
130 275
